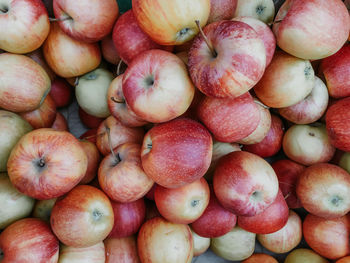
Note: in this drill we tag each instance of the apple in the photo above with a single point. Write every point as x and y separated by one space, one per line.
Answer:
215 221
14 205
177 152
96 22
61 92
43 208
151 210
272 142
286 81
227 60
109 51
89 135
121 176
183 55
245 183
288 173
88 120
90 216
260 258
121 250
68 57
46 163
38 56
221 10
60 123
308 144
327 237
92 254
26 34
343 260
24 83
237 244
221 116
29 240
309 109
324 190
171 22
304 255
161 241
262 10
344 161
128 218
156 85
185 204
200 244
94 158
12 128
285 239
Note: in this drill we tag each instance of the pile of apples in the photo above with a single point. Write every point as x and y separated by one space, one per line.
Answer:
212 123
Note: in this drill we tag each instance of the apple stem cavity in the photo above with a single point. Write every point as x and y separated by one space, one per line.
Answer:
260 9
117 101
96 215
4 9
336 200
211 48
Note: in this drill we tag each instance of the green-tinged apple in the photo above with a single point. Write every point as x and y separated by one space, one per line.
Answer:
221 10
344 161
94 158
260 258
60 123
200 244
122 250
264 10
43 208
305 255
93 254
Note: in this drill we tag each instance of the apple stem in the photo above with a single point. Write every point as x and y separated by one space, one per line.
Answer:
212 50
119 67
287 195
54 19
110 144
261 104
274 22
117 101
76 82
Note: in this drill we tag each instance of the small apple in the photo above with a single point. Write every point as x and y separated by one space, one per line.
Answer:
262 10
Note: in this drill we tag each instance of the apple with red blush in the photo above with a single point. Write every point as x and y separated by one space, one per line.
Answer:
121 250
221 10
109 51
94 157
92 254
88 120
263 10
60 123
90 135
61 92
38 56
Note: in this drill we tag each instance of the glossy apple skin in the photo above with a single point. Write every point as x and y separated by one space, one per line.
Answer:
275 88
272 142
128 218
38 56
46 163
42 117
171 22
61 92
233 71
221 10
324 190
259 179
89 120
26 94
177 152
306 256
185 204
220 116
29 240
215 220
315 38
121 250
288 173
123 179
327 237
157 87
272 219
109 51
33 27
285 239
96 23
94 158
160 241
260 258
336 70
68 57
93 254
90 216
126 29
60 123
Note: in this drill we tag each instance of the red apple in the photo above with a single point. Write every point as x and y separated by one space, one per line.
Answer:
96 23
222 72
304 255
109 51
89 120
94 158
89 135
343 260
260 258
221 10
121 250
238 169
29 240
38 56
263 10
61 92
60 123
177 152
90 216
92 254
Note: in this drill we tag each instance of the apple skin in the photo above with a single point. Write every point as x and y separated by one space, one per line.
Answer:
157 87
29 240
94 158
122 177
272 142
46 163
260 258
272 219
306 256
259 179
38 56
220 116
33 27
128 218
215 220
200 244
344 161
315 38
26 94
336 70
88 120
60 123
276 90
232 71
185 204
309 109
161 241
68 57
90 216
96 23
262 10
221 10
327 237
121 250
93 254
61 92
285 239
109 51
288 173
43 208
343 260
171 22
177 152
324 190
337 124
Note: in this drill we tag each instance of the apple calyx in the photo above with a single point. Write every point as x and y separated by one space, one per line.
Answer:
256 195
336 200
211 48
117 101
260 9
40 164
149 81
184 34
194 203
